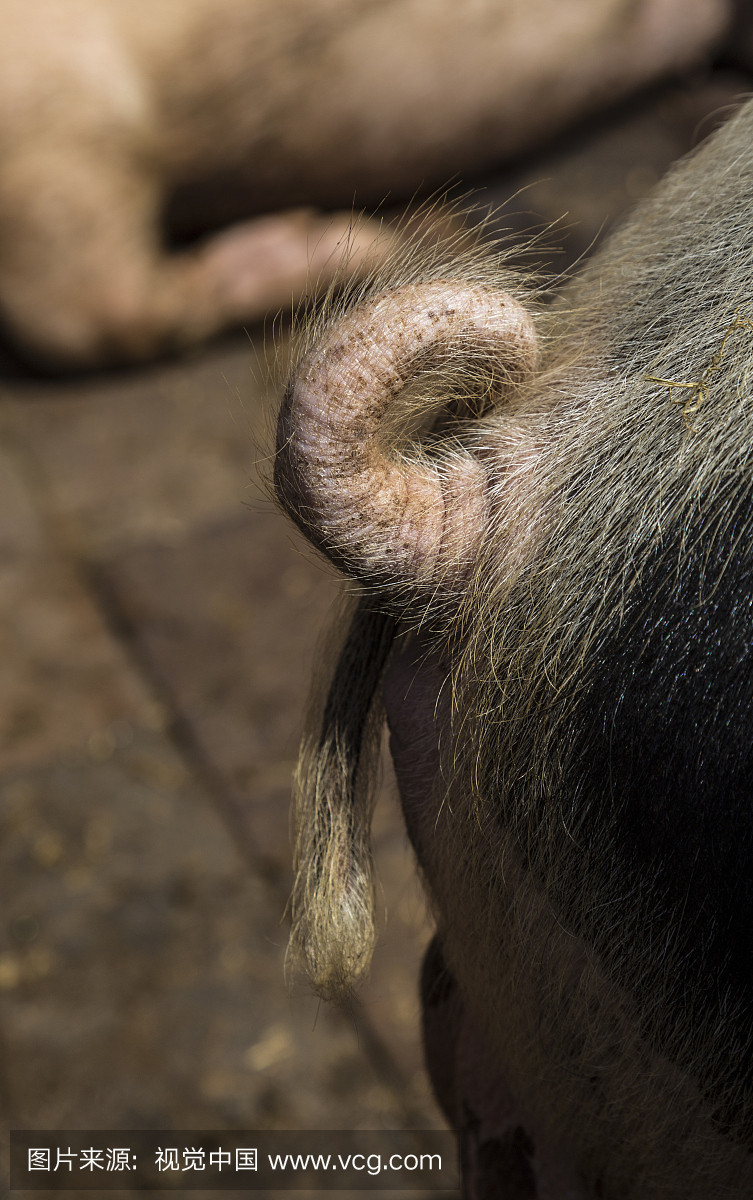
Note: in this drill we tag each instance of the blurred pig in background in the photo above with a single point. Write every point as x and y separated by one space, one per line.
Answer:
122 121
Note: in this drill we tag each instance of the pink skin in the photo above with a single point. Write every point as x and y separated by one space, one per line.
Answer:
411 525
104 304
260 265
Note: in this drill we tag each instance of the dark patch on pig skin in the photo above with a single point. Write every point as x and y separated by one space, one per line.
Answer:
667 719
498 1166
649 816
441 1010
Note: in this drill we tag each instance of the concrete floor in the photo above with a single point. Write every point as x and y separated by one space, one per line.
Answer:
158 621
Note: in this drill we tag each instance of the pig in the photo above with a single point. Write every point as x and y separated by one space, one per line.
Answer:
545 504
117 117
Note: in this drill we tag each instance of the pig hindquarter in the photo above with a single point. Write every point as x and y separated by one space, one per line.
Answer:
587 838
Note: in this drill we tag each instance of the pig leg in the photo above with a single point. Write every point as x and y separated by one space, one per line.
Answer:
495 1158
84 279
503 1152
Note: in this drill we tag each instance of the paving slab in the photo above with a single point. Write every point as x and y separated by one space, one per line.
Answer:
141 966
64 679
145 455
230 621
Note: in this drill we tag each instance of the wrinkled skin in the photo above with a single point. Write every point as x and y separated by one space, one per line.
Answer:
221 109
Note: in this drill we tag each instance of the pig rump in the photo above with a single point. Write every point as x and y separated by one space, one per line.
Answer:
614 766
590 849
